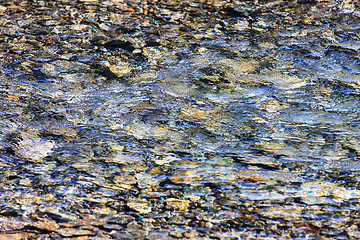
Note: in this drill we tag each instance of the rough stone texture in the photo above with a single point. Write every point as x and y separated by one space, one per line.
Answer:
178 119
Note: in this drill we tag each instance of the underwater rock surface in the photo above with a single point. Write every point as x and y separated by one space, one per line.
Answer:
166 119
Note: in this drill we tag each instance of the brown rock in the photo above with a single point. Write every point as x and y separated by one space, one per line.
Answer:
186 177
45 224
16 236
140 205
73 232
177 204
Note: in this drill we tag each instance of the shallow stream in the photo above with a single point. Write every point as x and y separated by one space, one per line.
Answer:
179 119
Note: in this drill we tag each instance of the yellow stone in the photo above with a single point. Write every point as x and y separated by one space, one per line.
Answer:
177 204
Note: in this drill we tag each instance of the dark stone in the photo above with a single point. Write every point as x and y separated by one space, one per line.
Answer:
307 1
152 43
37 31
116 44
236 11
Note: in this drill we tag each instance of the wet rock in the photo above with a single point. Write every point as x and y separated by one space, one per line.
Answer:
238 10
137 228
120 219
123 158
178 88
272 106
241 25
146 131
263 195
60 67
45 225
58 213
10 223
178 219
236 67
218 118
211 79
154 235
120 44
79 27
156 55
191 234
120 69
194 113
277 149
269 176
88 221
2 9
186 177
145 180
33 149
73 232
152 193
112 227
135 168
216 218
284 212
353 231
267 45
83 166
17 236
352 145
63 131
177 232
166 160
283 81
192 197
325 193
140 205
104 211
146 77
262 161
125 181
177 204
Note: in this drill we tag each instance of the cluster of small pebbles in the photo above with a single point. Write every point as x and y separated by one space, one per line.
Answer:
169 119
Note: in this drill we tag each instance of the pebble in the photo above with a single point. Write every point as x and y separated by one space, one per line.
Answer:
140 205
179 219
283 81
120 219
16 236
145 180
112 226
194 113
66 132
72 232
269 176
34 150
105 211
45 225
179 119
59 214
166 160
125 181
177 204
121 69
123 158
186 177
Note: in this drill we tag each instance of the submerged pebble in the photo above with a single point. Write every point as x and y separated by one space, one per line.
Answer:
140 205
179 119
33 150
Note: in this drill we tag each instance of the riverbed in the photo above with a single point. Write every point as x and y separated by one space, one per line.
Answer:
179 119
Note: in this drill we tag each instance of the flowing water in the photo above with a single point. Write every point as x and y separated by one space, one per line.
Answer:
166 119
